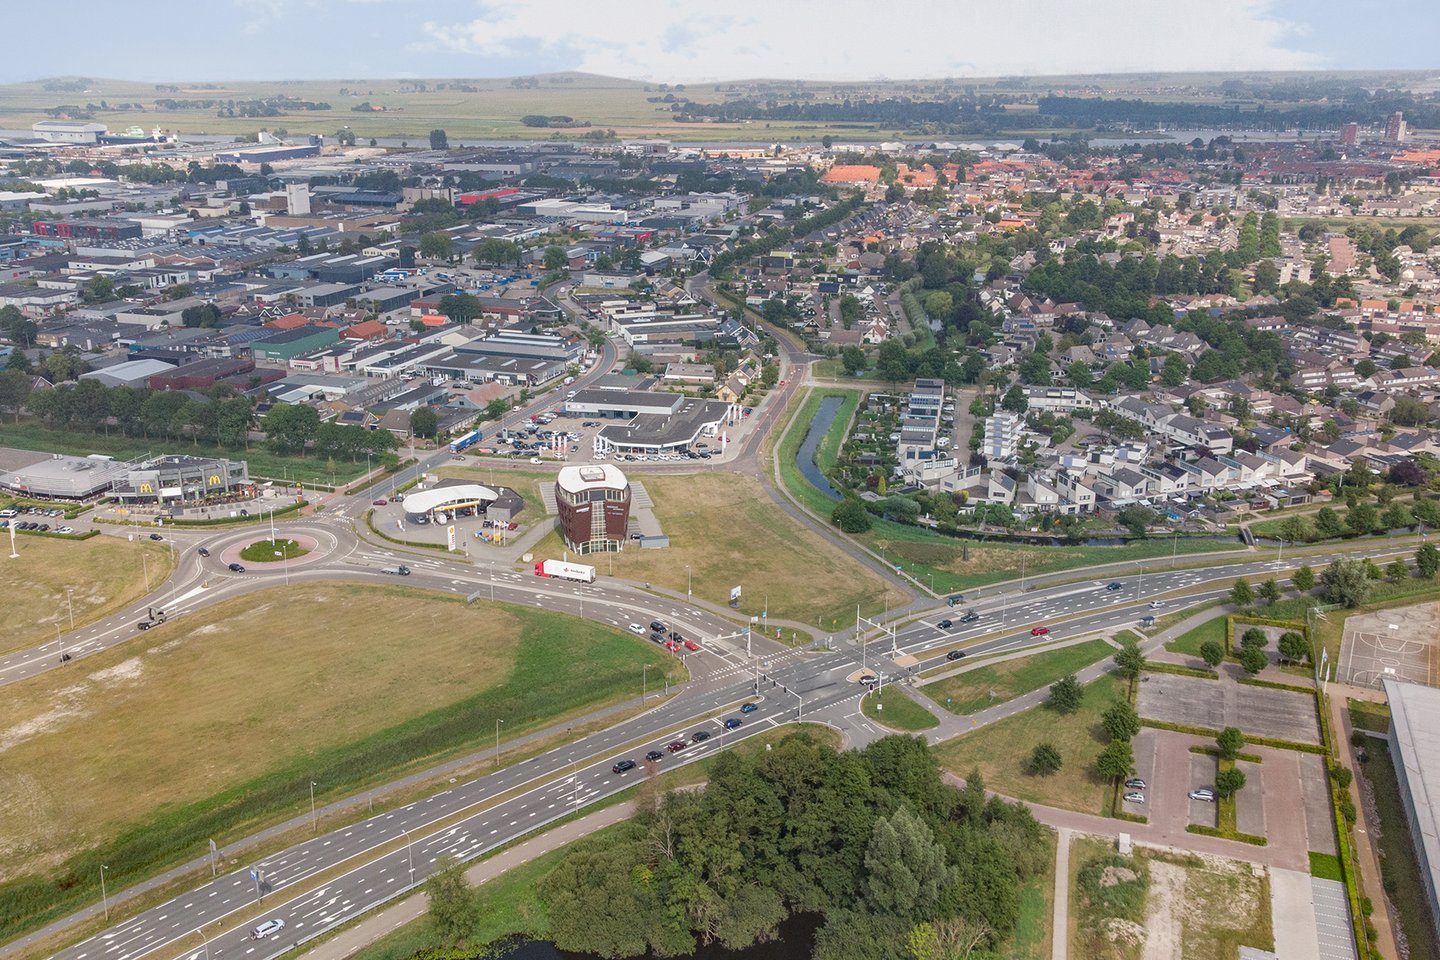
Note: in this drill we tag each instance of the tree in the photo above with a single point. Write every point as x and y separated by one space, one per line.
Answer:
1253 637
905 867
1362 518
1212 652
14 390
424 422
1129 661
100 289
1044 760
1121 721
496 251
1304 578
1293 647
438 140
851 516
1269 591
1253 659
1066 694
852 358
1230 742
460 307
1015 400
1427 561
1136 519
288 427
452 901
1397 570
1229 782
1294 530
201 315
555 257
1116 760
1344 582
1241 595
436 246
1328 524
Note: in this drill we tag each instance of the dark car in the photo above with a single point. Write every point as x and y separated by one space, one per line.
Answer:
699 736
657 626
236 568
944 624
732 723
675 746
203 552
1113 585
955 655
654 755
970 617
622 766
156 536
750 708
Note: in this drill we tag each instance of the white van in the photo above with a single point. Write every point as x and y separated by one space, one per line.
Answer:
273 925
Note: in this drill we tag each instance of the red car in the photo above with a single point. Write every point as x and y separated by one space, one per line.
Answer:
677 746
1039 631
378 503
691 645
672 646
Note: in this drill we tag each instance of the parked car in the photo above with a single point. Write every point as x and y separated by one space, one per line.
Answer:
1135 797
1135 783
1204 794
733 722
622 766
1039 631
236 568
750 708
955 655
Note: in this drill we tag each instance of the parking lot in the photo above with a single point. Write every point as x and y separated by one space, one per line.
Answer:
1216 704
555 435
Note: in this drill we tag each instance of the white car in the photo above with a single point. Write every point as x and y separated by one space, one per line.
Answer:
1204 793
1156 604
274 925
535 460
636 629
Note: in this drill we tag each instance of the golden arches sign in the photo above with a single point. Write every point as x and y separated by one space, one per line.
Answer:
145 487
215 480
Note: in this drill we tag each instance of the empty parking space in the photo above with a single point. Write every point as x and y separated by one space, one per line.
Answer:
1215 704
1250 802
1315 791
1332 920
1397 644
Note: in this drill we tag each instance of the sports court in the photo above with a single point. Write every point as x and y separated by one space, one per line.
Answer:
1399 644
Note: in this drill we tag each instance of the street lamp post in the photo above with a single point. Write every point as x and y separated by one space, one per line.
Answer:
207 942
409 855
70 599
644 682
314 825
687 580
498 721
492 580
104 897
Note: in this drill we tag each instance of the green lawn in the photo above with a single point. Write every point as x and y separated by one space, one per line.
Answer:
1326 866
1189 641
893 709
1032 937
1367 715
32 435
1400 872
268 551
969 692
1000 751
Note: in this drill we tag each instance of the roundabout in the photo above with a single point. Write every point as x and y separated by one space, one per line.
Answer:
293 549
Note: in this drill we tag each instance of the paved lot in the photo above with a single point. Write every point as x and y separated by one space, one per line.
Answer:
1250 802
1399 644
1144 746
1332 920
1292 915
1315 793
1202 774
1216 704
1169 781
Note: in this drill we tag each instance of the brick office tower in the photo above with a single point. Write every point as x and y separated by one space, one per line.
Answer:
594 505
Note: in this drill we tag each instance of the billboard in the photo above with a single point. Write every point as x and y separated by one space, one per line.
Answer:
734 594
450 537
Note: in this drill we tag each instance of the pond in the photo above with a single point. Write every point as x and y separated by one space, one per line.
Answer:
795 942
805 456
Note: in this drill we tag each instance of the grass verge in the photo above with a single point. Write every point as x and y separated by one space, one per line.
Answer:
1367 715
1189 642
891 708
969 692
1400 872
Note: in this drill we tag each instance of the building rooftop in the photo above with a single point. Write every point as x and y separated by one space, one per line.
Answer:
1413 709
591 476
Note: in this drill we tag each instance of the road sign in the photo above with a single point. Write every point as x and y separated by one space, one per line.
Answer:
734 594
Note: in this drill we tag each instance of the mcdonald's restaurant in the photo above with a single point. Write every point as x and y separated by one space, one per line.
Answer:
177 479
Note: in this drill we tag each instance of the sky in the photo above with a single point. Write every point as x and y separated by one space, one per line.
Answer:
691 41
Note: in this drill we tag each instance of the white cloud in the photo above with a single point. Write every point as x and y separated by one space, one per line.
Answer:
865 39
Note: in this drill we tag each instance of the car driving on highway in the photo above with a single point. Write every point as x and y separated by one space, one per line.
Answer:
622 766
1039 631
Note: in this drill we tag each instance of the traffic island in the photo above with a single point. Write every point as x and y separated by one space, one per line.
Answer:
274 551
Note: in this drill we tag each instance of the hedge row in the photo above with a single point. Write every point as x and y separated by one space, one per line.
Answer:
1207 732
1231 619
1214 752
59 536
213 522
1348 867
1275 685
1155 666
1205 831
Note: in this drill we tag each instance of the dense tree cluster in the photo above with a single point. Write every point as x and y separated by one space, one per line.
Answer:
873 840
